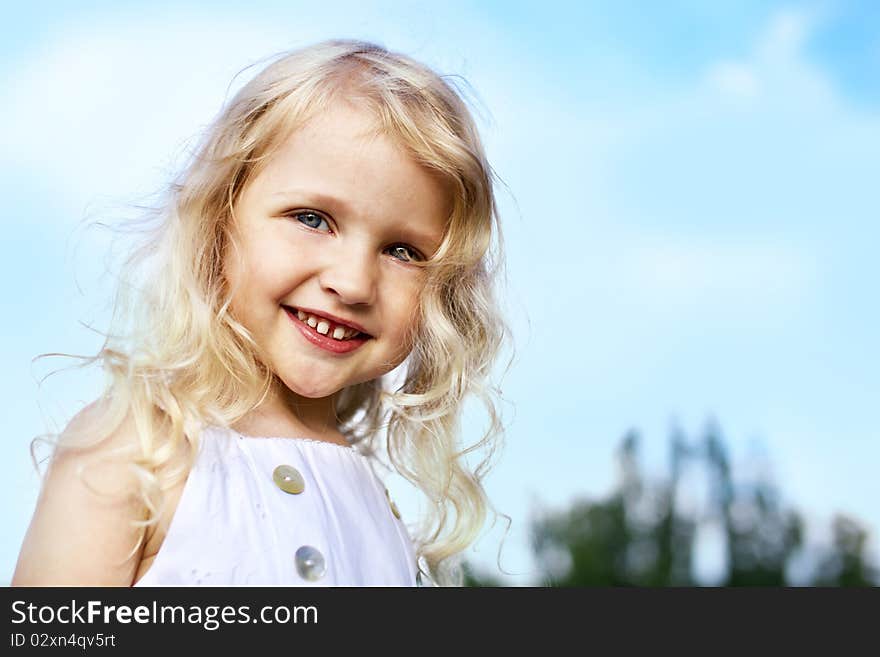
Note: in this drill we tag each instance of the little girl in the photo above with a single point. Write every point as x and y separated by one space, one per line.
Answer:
335 223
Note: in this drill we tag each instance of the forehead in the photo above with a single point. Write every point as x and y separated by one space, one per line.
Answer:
339 158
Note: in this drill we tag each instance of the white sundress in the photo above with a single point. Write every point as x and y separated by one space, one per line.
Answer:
241 521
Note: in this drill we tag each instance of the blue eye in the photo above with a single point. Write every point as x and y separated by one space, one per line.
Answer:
409 254
313 219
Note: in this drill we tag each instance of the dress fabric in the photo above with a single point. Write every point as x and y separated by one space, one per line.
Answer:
234 525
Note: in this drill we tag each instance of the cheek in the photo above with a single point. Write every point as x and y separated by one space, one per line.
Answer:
404 301
407 323
259 270
243 277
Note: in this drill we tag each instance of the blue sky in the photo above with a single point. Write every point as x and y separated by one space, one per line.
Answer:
689 213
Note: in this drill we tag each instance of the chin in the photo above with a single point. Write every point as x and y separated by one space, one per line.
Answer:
311 392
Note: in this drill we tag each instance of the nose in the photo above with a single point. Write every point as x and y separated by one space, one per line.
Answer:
351 275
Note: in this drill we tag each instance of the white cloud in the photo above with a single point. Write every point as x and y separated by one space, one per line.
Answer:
741 190
786 34
671 273
104 105
777 55
735 80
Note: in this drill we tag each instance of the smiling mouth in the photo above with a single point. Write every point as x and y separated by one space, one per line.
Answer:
326 327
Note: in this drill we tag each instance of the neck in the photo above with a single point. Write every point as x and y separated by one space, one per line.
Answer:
284 413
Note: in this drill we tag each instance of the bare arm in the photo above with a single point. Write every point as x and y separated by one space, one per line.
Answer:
79 536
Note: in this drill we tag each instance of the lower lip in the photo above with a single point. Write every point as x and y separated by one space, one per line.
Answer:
323 341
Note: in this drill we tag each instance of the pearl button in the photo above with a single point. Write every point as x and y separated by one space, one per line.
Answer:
392 505
309 563
288 479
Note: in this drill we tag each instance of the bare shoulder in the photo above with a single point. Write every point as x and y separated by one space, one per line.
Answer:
81 532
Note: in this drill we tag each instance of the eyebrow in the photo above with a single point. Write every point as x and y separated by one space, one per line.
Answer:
338 205
316 197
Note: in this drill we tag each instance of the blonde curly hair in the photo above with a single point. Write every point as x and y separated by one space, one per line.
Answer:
177 360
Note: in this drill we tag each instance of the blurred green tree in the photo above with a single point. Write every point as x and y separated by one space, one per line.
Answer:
639 535
845 564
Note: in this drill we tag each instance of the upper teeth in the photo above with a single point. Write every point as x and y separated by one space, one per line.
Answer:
322 326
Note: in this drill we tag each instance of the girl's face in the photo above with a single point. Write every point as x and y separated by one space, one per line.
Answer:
329 225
